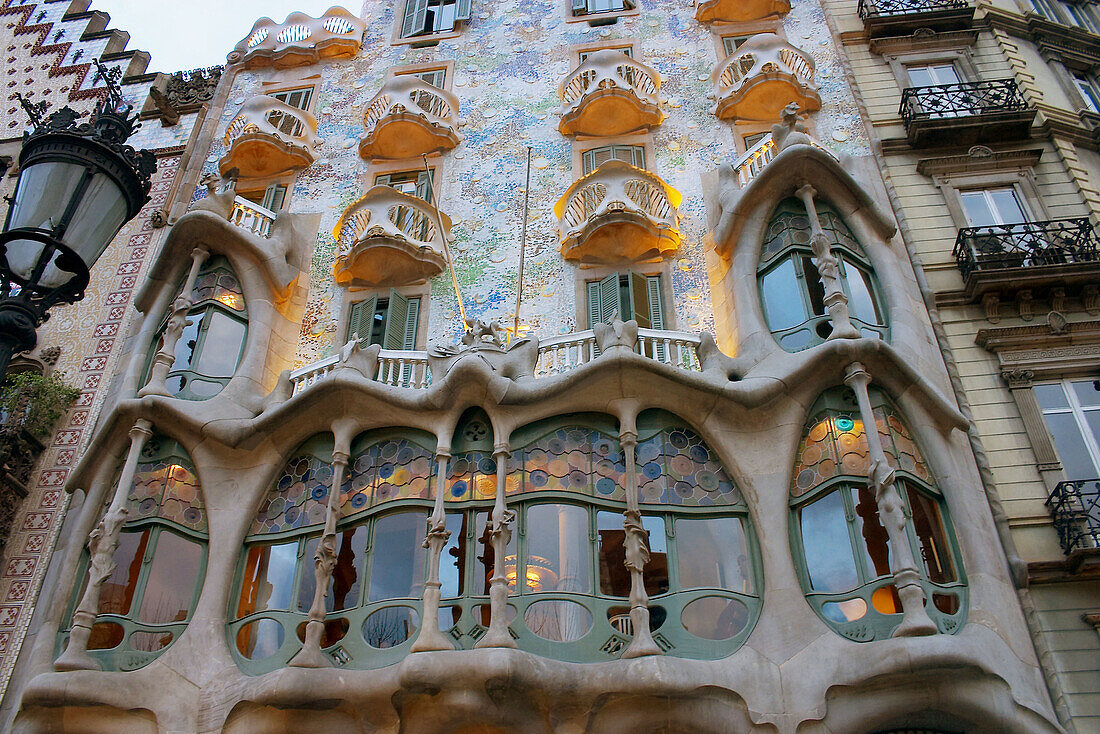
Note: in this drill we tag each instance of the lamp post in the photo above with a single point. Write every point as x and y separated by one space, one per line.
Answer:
79 183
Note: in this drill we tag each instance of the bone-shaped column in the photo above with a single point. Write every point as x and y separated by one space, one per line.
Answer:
880 477
177 322
101 563
500 532
836 302
637 552
430 637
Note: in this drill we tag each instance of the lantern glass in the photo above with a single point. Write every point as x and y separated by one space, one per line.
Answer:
41 199
97 219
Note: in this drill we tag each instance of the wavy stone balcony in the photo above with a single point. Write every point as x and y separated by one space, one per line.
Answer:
409 117
762 77
300 40
610 94
738 11
267 138
618 213
388 238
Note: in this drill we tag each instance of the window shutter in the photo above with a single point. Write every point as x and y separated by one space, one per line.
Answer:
656 309
416 18
274 197
580 7
424 186
396 318
412 320
639 300
596 157
609 298
462 10
383 180
362 315
594 304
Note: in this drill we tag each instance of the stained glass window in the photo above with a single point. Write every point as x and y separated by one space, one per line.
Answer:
572 459
676 467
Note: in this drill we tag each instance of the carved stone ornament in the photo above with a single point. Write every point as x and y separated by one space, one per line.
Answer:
486 342
1017 378
1056 321
991 302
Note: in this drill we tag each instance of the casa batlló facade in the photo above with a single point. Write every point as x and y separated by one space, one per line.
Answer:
721 472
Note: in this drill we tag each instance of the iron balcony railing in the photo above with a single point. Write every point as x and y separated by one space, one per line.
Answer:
945 101
1028 244
1075 508
875 8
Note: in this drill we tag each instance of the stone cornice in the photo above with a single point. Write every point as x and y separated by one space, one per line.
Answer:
1065 40
924 40
980 158
1039 336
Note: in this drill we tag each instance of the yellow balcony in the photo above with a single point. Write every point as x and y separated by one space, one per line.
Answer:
616 214
387 239
409 117
267 138
609 94
738 11
300 40
762 77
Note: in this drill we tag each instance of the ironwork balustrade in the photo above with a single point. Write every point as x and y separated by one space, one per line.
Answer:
1028 244
945 101
1075 507
873 8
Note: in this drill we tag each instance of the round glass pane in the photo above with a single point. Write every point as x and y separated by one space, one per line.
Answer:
558 620
390 626
106 635
150 641
260 639
715 617
840 612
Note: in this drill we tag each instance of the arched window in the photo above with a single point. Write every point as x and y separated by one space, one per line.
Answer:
839 541
568 586
145 604
210 348
790 284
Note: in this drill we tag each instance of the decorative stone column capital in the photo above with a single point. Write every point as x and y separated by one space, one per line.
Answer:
856 374
1017 379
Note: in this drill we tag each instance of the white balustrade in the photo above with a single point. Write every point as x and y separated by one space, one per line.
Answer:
610 68
752 161
300 40
251 216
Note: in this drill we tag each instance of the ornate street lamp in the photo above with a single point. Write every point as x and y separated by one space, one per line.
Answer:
79 183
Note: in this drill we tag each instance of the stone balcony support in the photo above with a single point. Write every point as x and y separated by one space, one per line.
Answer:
762 77
738 11
268 137
610 94
408 118
388 238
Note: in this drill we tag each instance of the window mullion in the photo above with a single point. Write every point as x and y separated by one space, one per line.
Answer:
858 546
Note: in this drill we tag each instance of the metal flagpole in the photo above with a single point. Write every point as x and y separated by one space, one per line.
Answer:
522 244
446 247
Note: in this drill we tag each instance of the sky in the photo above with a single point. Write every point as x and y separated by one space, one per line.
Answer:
199 33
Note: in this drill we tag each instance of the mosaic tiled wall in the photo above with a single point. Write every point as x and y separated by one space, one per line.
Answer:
509 61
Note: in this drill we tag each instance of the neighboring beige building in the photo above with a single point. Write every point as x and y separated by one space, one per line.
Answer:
511 369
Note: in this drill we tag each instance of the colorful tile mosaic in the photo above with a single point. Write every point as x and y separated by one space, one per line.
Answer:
676 467
572 459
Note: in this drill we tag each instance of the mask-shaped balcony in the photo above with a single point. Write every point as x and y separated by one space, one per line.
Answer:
762 77
738 11
267 138
407 118
618 213
300 40
609 94
387 239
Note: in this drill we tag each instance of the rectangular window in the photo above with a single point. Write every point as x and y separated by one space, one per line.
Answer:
928 75
296 98
413 183
751 140
435 77
272 198
1089 91
1071 409
993 206
594 7
582 56
629 296
388 322
596 157
425 17
732 43
1081 15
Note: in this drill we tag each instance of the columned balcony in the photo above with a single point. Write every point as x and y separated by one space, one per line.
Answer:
268 137
609 94
965 114
1075 508
300 40
251 216
762 77
618 213
1059 253
388 239
738 11
903 17
409 117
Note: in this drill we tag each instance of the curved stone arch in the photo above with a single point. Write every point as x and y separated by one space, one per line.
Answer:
839 542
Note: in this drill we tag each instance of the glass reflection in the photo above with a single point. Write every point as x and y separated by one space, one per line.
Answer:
559 621
399 556
343 589
260 639
714 617
390 626
117 592
557 549
712 554
934 550
171 580
268 578
828 550
614 575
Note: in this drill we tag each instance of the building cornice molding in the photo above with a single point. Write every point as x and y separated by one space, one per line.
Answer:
924 39
980 159
1043 351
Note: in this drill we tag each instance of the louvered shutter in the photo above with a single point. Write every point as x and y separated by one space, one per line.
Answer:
383 180
580 7
361 318
424 186
462 10
274 196
596 157
396 318
416 18
412 320
639 301
594 311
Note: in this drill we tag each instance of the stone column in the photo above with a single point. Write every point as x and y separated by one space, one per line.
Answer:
324 563
101 563
166 355
429 637
891 510
637 553
836 302
499 534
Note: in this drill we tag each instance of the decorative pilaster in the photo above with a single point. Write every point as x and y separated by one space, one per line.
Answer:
880 477
637 555
324 563
429 637
836 302
500 533
101 564
166 355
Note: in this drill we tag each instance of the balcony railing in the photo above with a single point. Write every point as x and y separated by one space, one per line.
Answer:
300 40
388 238
269 137
965 113
764 75
754 159
556 355
616 213
1026 245
871 8
900 17
409 117
1075 508
252 217
610 94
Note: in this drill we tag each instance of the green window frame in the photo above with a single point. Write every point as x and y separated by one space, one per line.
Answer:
164 540
582 56
390 322
428 17
791 292
595 157
630 295
840 547
271 198
435 77
599 7
731 43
